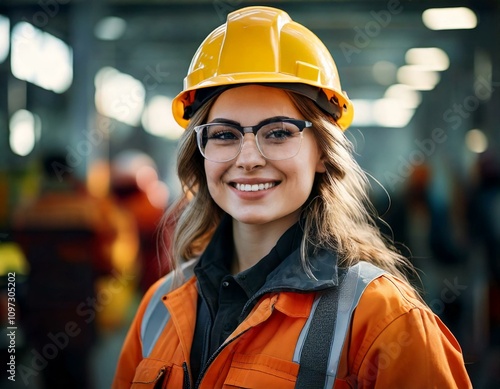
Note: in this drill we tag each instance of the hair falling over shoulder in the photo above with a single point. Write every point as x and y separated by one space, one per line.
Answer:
337 216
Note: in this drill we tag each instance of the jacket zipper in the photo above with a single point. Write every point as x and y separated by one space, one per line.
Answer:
187 379
216 353
264 292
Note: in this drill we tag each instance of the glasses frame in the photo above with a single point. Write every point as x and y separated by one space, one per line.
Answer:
300 124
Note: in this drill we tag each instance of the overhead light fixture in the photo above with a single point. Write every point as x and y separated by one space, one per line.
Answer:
119 96
363 116
476 141
430 58
384 72
417 77
386 112
41 58
408 97
391 113
24 131
158 120
453 18
110 28
4 37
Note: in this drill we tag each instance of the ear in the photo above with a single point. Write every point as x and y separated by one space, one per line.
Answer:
320 166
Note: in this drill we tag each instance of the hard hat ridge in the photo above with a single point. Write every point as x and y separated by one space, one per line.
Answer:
263 45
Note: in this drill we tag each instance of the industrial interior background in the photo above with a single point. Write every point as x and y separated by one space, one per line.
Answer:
92 81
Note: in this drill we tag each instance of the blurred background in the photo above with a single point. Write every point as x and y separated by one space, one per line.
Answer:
88 145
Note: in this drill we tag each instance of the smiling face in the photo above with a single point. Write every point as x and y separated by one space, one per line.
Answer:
250 188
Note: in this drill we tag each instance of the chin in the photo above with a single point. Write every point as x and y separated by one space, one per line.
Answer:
259 218
252 219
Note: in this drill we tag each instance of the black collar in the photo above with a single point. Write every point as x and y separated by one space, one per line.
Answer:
281 269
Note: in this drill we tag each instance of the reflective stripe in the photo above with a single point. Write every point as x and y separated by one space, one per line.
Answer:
357 279
303 334
156 314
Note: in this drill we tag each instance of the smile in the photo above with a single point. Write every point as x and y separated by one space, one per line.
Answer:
254 187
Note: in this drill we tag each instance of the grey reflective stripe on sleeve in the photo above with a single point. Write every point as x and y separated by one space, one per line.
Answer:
156 314
305 330
155 317
357 279
350 290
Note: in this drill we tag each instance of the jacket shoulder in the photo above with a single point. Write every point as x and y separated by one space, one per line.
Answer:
394 333
390 296
385 300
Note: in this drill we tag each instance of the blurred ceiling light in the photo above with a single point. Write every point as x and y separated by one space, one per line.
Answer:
41 58
145 176
110 28
119 96
23 128
363 116
4 37
384 72
476 141
430 58
158 120
386 112
456 18
391 113
158 194
417 77
128 163
408 97
134 166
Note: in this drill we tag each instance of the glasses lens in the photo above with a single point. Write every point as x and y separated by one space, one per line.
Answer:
279 140
219 142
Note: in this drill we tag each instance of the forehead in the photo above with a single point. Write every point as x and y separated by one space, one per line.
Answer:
250 104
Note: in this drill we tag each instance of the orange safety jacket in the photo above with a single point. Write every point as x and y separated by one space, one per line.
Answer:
395 341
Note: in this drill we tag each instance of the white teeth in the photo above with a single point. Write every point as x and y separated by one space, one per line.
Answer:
254 187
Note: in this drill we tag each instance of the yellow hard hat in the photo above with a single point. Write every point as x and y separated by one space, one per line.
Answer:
263 45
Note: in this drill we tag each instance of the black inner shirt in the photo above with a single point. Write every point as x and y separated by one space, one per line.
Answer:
224 296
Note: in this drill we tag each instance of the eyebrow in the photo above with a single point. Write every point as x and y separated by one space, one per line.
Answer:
229 121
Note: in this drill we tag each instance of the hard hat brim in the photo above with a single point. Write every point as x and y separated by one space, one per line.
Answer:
186 98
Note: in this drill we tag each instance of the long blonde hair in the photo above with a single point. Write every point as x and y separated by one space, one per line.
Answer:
337 216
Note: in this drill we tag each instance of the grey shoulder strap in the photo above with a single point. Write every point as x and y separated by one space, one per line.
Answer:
156 315
320 344
333 321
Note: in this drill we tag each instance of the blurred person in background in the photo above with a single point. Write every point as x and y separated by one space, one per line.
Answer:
484 230
67 237
434 243
281 278
136 188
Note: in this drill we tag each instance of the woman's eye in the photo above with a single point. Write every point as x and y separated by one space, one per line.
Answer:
222 134
278 133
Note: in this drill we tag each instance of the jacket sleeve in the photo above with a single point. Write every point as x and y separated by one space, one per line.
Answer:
401 343
131 353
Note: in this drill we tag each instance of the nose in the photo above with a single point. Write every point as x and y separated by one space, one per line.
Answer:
250 157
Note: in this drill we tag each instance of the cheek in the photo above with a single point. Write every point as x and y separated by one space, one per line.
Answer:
302 174
213 174
306 172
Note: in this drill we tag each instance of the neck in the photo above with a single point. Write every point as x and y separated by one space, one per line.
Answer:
252 242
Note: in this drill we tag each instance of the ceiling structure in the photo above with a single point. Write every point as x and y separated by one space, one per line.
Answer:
170 31
161 36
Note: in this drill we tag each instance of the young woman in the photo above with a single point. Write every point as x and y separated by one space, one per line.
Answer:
281 278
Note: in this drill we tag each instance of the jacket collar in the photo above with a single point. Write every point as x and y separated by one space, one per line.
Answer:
288 275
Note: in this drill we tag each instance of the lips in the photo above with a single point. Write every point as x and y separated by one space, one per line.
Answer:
254 187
